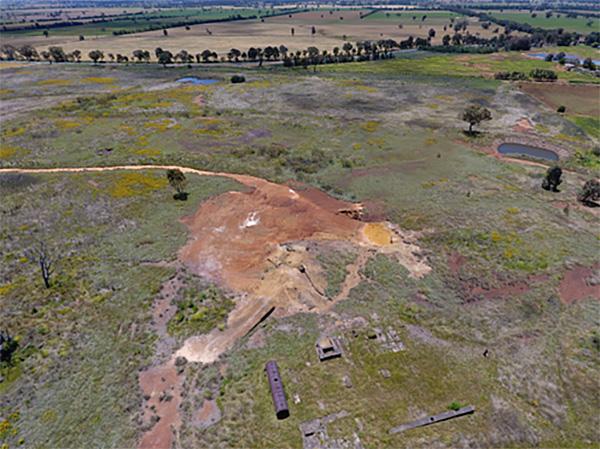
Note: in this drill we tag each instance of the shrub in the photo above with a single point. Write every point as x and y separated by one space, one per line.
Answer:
511 76
543 75
561 109
238 79
455 406
590 193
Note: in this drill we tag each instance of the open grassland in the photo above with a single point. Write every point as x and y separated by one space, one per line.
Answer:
332 28
459 65
499 246
84 339
579 24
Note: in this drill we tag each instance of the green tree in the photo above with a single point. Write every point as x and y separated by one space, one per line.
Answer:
29 52
96 55
178 182
58 54
8 346
552 179
165 57
474 115
590 193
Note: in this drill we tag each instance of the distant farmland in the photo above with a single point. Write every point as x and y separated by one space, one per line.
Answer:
579 24
136 22
331 28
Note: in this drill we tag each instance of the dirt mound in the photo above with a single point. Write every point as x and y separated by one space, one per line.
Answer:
235 233
577 285
256 243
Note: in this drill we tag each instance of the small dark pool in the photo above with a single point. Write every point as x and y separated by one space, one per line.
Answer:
518 149
194 80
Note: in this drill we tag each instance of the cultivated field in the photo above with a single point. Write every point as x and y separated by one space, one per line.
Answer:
579 24
160 18
332 29
347 201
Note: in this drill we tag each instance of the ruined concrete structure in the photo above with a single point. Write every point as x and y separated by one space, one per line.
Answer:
388 339
434 419
328 348
277 392
315 436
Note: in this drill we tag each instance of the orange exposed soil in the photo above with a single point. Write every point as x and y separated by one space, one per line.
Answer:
576 285
523 125
235 233
163 386
252 242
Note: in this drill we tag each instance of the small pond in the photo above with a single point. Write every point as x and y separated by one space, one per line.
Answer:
518 149
194 80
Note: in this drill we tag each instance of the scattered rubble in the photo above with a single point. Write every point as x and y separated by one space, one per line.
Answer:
315 436
388 339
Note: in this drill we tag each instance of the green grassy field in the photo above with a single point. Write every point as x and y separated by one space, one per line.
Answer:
579 24
406 17
85 337
386 134
459 66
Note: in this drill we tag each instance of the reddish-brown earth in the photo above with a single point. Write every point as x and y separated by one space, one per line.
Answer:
576 285
234 234
162 385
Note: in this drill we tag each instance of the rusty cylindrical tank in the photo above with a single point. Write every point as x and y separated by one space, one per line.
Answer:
281 406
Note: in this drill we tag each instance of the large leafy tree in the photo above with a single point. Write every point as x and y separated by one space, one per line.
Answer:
474 115
552 179
590 193
178 182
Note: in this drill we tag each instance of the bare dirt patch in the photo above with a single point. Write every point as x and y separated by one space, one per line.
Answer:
577 98
162 386
207 415
523 125
578 284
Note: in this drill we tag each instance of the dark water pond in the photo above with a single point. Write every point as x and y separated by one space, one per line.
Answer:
518 149
194 80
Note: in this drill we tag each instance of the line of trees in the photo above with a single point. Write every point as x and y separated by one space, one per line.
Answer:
538 36
360 51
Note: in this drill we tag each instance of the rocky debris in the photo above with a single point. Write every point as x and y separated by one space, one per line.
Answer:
388 339
385 373
315 436
347 381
